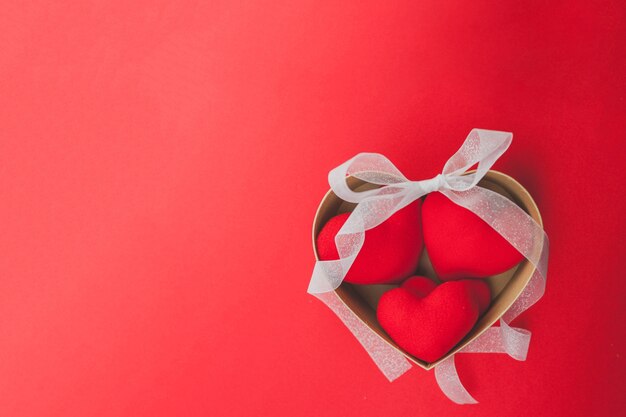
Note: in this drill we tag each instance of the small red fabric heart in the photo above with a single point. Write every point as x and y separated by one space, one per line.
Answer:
428 327
391 250
460 244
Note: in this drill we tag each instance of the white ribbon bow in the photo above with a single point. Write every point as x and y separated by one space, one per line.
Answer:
482 147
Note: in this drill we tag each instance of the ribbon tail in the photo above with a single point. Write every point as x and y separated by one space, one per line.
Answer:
391 363
504 339
450 383
513 341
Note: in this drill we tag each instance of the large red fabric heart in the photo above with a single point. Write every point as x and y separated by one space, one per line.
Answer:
391 250
460 244
429 326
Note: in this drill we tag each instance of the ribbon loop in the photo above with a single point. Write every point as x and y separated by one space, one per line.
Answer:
369 167
482 147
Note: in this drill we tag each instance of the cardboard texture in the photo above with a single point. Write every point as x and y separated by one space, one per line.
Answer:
505 287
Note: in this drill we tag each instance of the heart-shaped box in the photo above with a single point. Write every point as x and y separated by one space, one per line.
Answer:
505 288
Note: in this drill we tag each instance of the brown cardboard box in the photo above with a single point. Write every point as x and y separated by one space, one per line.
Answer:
506 287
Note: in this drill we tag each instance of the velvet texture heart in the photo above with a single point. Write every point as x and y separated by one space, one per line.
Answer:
427 320
460 244
391 250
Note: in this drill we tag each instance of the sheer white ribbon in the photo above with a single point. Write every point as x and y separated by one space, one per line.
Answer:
482 147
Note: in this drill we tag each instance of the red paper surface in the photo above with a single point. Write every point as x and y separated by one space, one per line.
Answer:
161 163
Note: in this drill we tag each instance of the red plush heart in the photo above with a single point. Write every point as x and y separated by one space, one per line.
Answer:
460 244
391 250
428 327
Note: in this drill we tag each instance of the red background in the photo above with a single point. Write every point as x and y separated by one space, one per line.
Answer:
161 162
